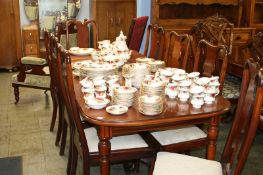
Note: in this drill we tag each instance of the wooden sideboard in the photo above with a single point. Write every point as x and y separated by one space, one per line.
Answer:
173 14
112 16
182 15
30 34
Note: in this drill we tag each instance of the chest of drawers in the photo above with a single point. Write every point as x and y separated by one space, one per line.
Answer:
30 40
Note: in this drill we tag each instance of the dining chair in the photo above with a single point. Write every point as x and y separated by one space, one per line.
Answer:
84 141
33 73
207 61
177 49
239 140
136 32
62 37
190 137
154 46
87 33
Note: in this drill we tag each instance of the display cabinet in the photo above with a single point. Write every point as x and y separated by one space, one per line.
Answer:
112 16
253 12
181 14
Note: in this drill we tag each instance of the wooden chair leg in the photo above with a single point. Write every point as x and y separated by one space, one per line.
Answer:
75 160
63 137
70 154
60 120
16 93
54 114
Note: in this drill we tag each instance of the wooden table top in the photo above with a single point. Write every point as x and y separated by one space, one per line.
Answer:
173 111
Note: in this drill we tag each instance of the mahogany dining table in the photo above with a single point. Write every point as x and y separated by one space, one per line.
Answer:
175 113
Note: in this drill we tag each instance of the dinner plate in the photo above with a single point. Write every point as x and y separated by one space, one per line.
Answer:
117 109
81 51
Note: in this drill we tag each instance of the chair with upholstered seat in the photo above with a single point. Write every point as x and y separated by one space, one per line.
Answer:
177 49
191 137
87 33
136 32
154 45
84 141
239 140
33 73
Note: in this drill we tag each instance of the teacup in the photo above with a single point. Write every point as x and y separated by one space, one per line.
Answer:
171 90
197 101
214 80
210 94
193 76
185 85
112 87
203 81
183 95
100 92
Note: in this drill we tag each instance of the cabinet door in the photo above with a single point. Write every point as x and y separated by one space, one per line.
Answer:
10 47
113 16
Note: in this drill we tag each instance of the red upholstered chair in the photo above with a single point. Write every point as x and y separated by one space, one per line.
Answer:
136 32
241 135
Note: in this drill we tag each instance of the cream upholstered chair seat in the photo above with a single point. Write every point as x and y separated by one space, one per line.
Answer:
33 80
117 143
33 60
180 134
178 164
73 40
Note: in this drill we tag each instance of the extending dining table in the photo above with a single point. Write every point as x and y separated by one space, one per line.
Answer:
175 113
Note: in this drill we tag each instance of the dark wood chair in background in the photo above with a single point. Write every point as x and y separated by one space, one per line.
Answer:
177 49
207 61
84 141
87 33
136 32
154 46
241 135
62 35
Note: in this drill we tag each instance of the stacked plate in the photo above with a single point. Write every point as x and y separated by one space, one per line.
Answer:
140 70
153 87
150 105
98 69
144 60
124 95
156 64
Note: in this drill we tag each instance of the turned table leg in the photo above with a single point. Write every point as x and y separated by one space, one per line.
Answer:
104 150
16 93
212 138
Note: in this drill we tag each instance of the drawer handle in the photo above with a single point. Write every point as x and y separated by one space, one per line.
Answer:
238 38
31 49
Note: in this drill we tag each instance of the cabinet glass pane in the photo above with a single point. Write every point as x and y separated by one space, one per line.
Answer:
258 15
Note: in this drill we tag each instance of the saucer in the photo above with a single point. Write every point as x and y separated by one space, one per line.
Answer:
117 109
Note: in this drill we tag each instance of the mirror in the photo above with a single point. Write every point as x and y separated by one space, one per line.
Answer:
49 12
31 9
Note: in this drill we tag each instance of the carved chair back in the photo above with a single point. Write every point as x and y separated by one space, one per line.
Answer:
87 32
136 32
62 32
177 49
207 61
246 118
215 29
154 46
